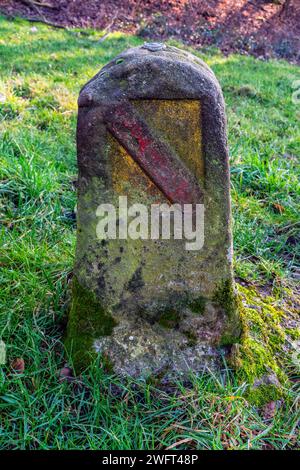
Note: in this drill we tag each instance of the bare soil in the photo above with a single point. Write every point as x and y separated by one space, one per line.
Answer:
264 28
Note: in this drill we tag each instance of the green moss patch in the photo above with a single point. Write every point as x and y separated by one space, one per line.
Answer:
259 356
169 318
87 321
198 305
226 298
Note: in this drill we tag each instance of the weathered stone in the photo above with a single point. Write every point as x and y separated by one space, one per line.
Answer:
152 127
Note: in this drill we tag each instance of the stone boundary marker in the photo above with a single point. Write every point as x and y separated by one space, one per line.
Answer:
152 127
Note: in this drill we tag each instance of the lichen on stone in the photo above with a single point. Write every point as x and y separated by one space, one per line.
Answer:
160 292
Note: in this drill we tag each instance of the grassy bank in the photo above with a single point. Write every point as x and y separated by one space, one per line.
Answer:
41 72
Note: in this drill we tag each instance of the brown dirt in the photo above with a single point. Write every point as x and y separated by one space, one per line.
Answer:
263 28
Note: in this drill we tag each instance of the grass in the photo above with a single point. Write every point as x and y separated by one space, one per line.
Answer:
41 72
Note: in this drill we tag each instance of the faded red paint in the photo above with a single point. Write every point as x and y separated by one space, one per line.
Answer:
161 164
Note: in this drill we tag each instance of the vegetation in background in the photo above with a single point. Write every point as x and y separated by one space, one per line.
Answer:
41 72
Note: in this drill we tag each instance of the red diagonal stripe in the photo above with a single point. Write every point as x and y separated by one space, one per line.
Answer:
161 164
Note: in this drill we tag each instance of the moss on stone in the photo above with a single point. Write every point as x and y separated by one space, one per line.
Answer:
228 338
87 321
226 297
263 394
259 355
169 318
192 338
197 305
294 333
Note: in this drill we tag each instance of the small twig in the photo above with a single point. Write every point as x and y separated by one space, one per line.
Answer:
48 23
34 20
259 7
33 3
46 5
285 7
108 28
104 37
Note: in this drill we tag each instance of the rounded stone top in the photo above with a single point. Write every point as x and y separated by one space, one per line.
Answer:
152 71
154 46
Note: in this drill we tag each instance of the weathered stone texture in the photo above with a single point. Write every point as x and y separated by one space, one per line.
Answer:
151 305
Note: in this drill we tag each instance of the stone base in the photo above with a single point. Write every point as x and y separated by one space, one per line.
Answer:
158 340
144 351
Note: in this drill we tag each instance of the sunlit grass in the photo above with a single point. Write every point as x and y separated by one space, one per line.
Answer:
41 73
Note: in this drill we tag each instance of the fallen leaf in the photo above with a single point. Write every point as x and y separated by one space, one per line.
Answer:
66 374
178 443
278 207
18 365
269 410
